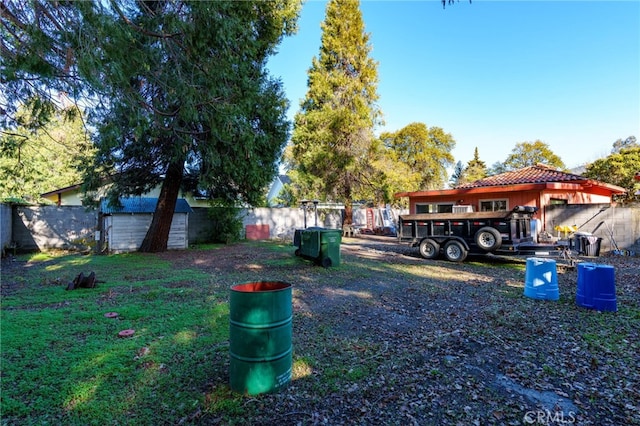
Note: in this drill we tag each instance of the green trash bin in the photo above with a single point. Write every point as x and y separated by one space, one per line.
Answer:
330 240
319 244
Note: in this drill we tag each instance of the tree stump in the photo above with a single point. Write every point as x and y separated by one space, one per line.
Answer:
83 282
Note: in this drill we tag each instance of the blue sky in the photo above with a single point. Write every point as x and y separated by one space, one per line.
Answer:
495 73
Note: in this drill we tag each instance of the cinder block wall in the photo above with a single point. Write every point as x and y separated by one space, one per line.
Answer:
616 225
46 227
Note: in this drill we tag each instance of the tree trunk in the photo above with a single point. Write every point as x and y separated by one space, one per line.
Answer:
348 202
348 213
158 234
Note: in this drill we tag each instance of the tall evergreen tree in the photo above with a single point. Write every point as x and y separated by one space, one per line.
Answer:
183 86
457 177
333 131
476 169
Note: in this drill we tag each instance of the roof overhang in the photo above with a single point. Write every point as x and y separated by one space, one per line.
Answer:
62 190
585 185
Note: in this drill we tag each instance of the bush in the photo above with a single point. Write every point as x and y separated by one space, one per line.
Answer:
226 224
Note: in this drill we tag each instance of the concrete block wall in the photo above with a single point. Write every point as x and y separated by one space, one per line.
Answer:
616 225
48 227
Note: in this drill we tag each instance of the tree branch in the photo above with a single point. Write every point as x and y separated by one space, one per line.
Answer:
140 29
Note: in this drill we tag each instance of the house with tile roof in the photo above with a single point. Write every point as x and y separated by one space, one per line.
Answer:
539 186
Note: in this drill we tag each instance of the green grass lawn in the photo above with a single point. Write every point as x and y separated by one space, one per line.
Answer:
63 361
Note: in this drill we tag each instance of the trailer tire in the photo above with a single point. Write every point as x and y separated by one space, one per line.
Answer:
455 251
488 239
429 249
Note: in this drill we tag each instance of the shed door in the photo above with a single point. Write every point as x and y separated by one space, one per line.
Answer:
178 234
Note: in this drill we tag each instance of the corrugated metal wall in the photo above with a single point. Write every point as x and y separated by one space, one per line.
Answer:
6 235
125 232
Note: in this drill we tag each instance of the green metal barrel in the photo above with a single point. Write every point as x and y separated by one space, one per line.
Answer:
260 337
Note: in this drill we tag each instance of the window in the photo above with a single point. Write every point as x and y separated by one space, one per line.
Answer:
434 208
557 202
493 205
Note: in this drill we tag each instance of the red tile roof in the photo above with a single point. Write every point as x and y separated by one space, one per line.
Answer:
540 173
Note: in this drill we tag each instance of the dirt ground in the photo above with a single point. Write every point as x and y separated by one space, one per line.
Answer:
446 343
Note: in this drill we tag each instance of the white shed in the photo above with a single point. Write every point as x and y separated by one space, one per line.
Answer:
123 228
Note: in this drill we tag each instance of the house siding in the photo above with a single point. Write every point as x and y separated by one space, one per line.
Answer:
539 199
73 197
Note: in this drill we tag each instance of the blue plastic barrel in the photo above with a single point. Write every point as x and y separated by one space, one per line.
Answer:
596 287
541 279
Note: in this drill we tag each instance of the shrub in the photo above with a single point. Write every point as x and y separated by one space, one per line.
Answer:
226 224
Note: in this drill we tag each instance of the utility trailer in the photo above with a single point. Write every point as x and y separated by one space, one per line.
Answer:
457 235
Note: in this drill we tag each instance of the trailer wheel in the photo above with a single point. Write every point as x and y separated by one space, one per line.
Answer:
454 251
488 239
429 249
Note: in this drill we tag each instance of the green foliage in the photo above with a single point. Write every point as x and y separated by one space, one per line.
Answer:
526 154
497 168
618 169
426 151
333 130
187 96
226 224
176 86
37 59
457 177
474 170
287 196
37 157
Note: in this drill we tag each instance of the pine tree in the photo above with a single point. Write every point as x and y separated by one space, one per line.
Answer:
333 131
457 177
476 169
